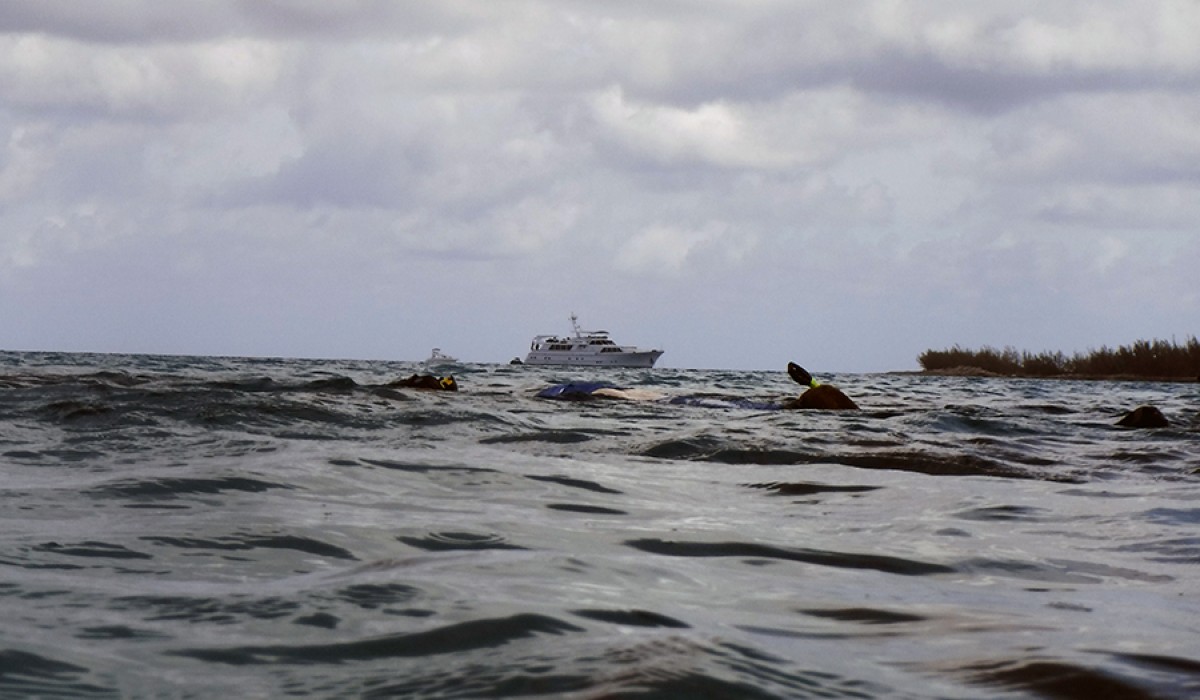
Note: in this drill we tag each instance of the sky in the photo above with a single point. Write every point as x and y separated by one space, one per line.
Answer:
738 182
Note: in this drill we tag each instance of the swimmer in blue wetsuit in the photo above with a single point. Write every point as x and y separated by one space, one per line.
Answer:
819 396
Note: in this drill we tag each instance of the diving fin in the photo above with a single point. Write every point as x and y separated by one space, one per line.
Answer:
801 375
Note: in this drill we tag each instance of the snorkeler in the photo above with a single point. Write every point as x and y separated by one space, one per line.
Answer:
818 396
1144 417
428 381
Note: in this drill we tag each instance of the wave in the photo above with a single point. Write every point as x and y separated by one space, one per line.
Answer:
246 542
711 449
449 639
1052 678
176 487
752 550
27 675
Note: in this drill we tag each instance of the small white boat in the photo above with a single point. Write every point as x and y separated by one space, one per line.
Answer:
587 349
437 357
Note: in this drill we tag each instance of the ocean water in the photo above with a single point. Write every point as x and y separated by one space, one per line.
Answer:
184 527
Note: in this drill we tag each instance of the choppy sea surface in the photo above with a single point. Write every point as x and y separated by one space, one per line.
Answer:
246 528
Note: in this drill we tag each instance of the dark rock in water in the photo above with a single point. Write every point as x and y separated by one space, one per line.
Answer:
822 397
1144 417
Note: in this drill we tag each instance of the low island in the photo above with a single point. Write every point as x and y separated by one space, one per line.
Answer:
1156 360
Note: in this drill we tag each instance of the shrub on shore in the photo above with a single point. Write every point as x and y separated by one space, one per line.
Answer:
1157 358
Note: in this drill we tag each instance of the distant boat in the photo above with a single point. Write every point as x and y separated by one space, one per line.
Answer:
437 357
587 349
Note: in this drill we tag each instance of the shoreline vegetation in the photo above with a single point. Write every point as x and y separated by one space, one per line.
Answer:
1155 360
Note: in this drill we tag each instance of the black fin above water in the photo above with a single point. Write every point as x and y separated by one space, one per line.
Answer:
799 374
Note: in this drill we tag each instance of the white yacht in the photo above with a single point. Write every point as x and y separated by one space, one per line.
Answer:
437 357
587 349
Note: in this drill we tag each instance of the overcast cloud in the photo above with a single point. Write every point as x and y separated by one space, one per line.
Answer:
742 183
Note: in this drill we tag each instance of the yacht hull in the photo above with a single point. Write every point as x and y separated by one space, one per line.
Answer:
641 358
